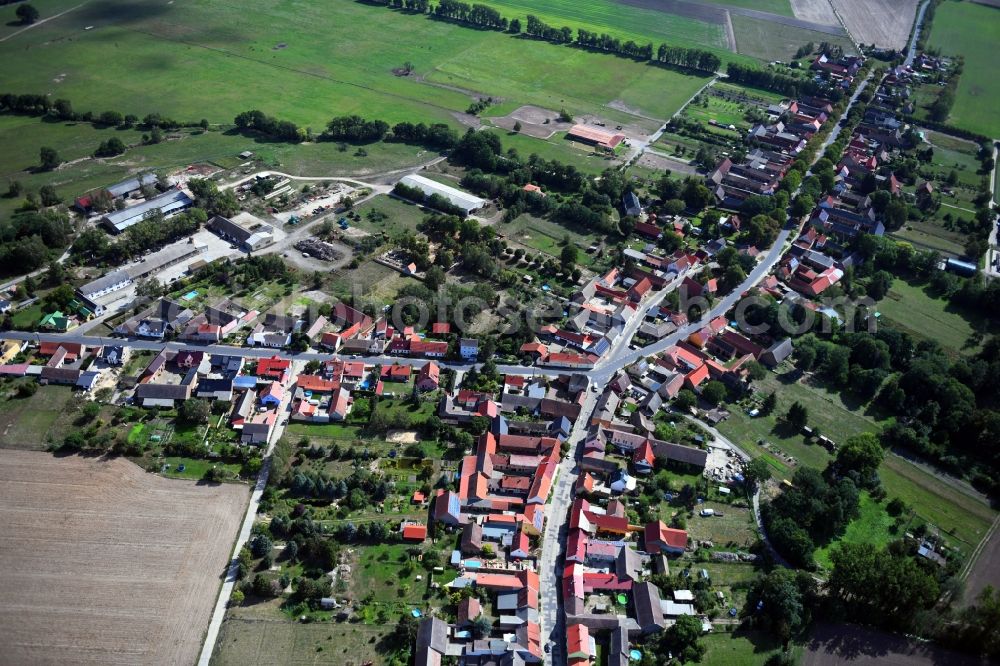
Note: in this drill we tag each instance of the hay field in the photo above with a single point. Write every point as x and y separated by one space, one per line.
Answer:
102 563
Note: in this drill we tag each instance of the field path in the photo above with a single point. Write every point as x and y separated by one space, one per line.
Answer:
38 23
730 33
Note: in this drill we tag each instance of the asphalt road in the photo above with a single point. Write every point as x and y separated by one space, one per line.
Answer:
219 612
552 617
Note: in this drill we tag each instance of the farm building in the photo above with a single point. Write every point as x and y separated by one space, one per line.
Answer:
463 200
959 267
132 185
106 284
595 137
168 203
120 190
249 232
165 258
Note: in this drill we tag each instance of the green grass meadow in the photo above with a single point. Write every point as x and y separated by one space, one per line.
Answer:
308 62
973 31
871 526
556 147
742 648
22 137
32 422
831 411
964 518
629 23
910 308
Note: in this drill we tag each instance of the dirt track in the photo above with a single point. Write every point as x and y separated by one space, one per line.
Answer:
102 563
885 23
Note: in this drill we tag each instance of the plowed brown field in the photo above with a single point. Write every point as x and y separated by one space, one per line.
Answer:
103 563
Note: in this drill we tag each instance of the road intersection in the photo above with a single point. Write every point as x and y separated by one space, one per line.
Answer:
620 356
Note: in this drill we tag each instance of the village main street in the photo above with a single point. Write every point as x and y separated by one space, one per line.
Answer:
620 356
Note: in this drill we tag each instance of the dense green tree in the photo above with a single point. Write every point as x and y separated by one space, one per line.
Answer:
682 639
568 256
48 157
194 411
880 586
685 400
48 195
780 602
769 403
862 454
757 472
27 14
714 392
797 416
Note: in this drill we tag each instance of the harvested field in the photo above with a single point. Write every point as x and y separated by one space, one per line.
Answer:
769 40
816 11
884 23
102 563
835 644
985 568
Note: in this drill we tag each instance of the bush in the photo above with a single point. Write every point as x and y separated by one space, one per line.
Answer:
26 389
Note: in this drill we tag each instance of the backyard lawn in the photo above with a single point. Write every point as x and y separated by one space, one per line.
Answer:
546 236
730 527
386 214
194 468
557 148
871 526
35 421
741 648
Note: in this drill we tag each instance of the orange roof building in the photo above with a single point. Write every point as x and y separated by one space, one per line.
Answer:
414 532
595 137
578 644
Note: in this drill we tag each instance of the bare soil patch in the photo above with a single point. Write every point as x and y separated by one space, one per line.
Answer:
660 163
986 569
533 121
402 436
847 644
885 23
102 563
